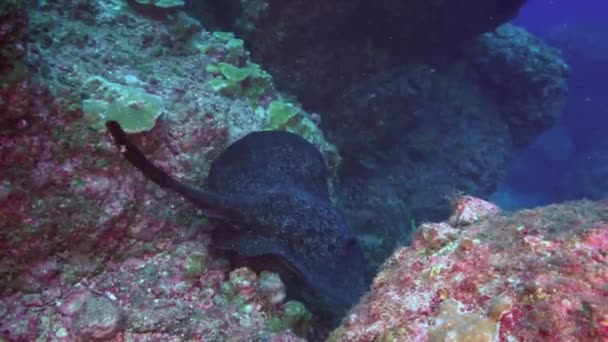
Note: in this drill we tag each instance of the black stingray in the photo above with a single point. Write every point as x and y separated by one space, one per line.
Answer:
271 186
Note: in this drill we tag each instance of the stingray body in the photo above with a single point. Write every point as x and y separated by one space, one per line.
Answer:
271 187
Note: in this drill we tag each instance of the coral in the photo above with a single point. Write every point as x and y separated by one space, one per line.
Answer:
289 117
271 287
453 325
294 316
196 264
22 103
249 81
150 297
226 47
134 108
280 113
303 46
186 28
90 249
236 76
530 275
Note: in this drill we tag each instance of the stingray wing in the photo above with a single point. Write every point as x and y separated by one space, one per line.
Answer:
267 161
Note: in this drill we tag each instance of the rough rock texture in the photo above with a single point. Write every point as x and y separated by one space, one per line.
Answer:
171 293
415 126
452 125
315 48
21 97
533 275
398 85
63 183
525 77
13 38
81 232
386 78
71 210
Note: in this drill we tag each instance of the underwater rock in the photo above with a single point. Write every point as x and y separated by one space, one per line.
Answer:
452 124
414 126
271 189
98 318
63 187
22 99
14 35
73 215
154 297
314 48
468 210
76 224
532 274
512 56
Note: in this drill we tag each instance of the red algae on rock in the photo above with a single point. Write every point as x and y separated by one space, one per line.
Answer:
534 275
83 232
154 297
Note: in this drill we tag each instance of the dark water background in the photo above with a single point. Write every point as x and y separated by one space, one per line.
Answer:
571 160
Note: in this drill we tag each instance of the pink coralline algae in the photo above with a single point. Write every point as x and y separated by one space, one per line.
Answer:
534 275
89 250
156 297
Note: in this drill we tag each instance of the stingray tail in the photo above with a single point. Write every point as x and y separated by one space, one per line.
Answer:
212 204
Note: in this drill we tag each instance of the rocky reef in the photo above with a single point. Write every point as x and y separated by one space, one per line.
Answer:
316 49
453 125
411 92
510 55
91 250
172 292
482 276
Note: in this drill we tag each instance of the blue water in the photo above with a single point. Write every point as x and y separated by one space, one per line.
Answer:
569 161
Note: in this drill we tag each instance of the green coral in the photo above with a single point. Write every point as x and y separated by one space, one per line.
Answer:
196 264
289 117
224 43
134 108
250 81
231 78
186 29
294 316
